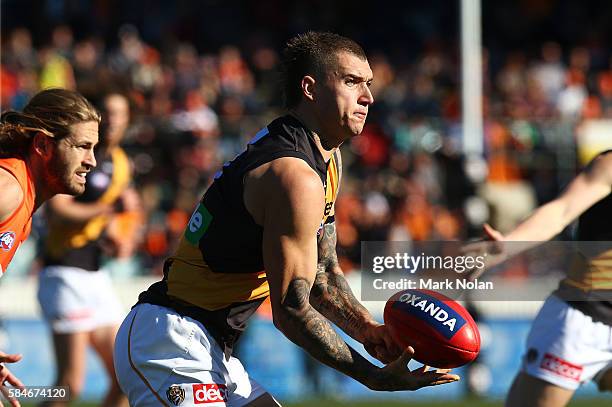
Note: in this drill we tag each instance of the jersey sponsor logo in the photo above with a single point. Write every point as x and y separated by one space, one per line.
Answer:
7 240
175 394
437 314
561 367
198 224
210 393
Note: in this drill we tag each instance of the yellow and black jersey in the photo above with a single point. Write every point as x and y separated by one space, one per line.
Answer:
218 265
590 275
76 244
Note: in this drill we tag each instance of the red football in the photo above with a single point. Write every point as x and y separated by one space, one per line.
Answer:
442 332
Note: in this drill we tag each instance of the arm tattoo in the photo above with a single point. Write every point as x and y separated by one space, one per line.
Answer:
331 294
327 258
303 325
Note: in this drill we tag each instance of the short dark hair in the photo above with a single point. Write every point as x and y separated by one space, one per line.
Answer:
312 53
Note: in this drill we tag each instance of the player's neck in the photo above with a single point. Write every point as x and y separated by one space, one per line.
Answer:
325 146
41 184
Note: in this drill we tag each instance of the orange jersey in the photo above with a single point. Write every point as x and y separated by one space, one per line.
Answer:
16 228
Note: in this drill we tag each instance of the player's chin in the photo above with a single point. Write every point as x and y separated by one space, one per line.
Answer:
74 188
357 131
354 129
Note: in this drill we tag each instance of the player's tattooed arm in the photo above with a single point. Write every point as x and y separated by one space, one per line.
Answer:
331 295
303 325
290 221
310 330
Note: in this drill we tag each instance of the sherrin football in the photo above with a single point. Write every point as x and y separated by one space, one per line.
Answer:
442 332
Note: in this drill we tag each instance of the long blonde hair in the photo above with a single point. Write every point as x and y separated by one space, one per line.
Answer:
51 112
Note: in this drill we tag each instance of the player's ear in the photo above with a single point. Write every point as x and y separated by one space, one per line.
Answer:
308 87
42 145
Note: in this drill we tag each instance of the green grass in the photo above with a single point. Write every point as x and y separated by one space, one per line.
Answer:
466 403
378 403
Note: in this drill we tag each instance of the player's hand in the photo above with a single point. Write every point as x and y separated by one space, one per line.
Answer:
396 375
130 201
379 343
492 250
6 377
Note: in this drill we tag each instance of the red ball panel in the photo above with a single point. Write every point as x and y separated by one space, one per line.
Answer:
442 332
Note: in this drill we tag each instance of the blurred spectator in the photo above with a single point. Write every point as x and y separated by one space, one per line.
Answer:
196 96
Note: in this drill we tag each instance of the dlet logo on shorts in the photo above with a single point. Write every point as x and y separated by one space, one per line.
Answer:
439 315
175 394
209 393
561 367
7 239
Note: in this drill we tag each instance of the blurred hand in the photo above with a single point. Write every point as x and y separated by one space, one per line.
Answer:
123 232
396 375
378 342
129 201
492 250
6 377
492 233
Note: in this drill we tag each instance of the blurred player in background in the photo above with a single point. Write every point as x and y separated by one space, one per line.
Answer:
266 228
45 150
76 296
570 341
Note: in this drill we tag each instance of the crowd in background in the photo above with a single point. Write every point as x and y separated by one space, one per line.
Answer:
194 107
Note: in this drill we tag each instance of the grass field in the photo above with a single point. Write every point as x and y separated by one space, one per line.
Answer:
466 403
378 403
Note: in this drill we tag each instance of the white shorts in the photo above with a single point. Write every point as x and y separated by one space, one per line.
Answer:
77 300
162 358
566 347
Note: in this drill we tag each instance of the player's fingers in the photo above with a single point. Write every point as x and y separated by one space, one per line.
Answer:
8 377
379 353
422 369
9 358
434 379
14 402
442 381
14 381
492 233
405 356
384 355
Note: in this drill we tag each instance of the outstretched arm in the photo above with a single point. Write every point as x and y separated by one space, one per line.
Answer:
290 213
588 188
69 209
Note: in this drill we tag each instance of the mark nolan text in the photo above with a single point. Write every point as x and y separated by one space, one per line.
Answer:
432 284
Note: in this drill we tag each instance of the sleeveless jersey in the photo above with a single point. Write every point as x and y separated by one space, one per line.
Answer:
217 273
75 244
590 276
16 228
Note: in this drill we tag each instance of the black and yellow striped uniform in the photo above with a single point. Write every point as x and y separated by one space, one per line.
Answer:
76 244
217 273
590 276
